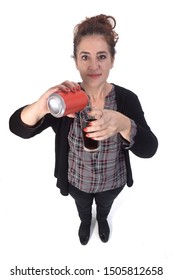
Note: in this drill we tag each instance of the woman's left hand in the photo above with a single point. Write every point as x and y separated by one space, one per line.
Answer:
111 123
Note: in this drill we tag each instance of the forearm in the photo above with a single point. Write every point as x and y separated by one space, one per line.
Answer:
31 114
126 132
145 143
26 131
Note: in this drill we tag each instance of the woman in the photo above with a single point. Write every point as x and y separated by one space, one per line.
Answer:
100 175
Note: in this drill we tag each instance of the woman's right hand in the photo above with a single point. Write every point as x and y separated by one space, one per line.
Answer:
64 87
31 114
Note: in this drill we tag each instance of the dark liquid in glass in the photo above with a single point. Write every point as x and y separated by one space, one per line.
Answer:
89 143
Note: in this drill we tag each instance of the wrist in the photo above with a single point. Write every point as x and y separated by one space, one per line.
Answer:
31 114
126 131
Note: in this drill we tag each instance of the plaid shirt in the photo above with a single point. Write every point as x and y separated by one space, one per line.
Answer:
102 170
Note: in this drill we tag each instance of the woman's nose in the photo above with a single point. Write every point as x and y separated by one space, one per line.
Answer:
94 64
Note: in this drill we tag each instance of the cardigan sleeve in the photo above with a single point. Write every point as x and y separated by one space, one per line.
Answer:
145 142
19 128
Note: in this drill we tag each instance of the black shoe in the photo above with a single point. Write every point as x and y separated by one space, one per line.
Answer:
84 232
104 231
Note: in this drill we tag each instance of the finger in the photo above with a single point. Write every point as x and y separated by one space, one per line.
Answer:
58 88
102 134
71 115
77 86
71 85
95 126
99 137
94 136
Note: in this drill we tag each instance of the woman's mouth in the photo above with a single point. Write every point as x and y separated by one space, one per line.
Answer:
94 76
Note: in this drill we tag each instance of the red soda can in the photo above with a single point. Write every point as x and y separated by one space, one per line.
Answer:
61 104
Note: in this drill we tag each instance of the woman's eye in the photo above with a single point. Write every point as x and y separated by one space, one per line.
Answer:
101 57
84 57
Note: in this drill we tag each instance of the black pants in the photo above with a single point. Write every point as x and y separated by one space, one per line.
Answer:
84 201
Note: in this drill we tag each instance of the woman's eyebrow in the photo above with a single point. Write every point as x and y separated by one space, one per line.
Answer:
100 52
83 52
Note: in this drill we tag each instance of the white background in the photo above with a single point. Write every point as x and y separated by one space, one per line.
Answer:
39 226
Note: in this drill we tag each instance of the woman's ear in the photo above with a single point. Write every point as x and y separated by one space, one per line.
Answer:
76 65
75 61
113 60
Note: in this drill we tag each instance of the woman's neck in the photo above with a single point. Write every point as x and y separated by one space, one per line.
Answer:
97 95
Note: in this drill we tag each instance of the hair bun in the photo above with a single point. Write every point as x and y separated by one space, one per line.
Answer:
112 21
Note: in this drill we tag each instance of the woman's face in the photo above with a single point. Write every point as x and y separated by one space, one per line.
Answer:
93 60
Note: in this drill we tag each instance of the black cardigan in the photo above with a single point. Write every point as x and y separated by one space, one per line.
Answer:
145 145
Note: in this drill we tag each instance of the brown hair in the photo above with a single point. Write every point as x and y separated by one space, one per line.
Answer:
100 25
